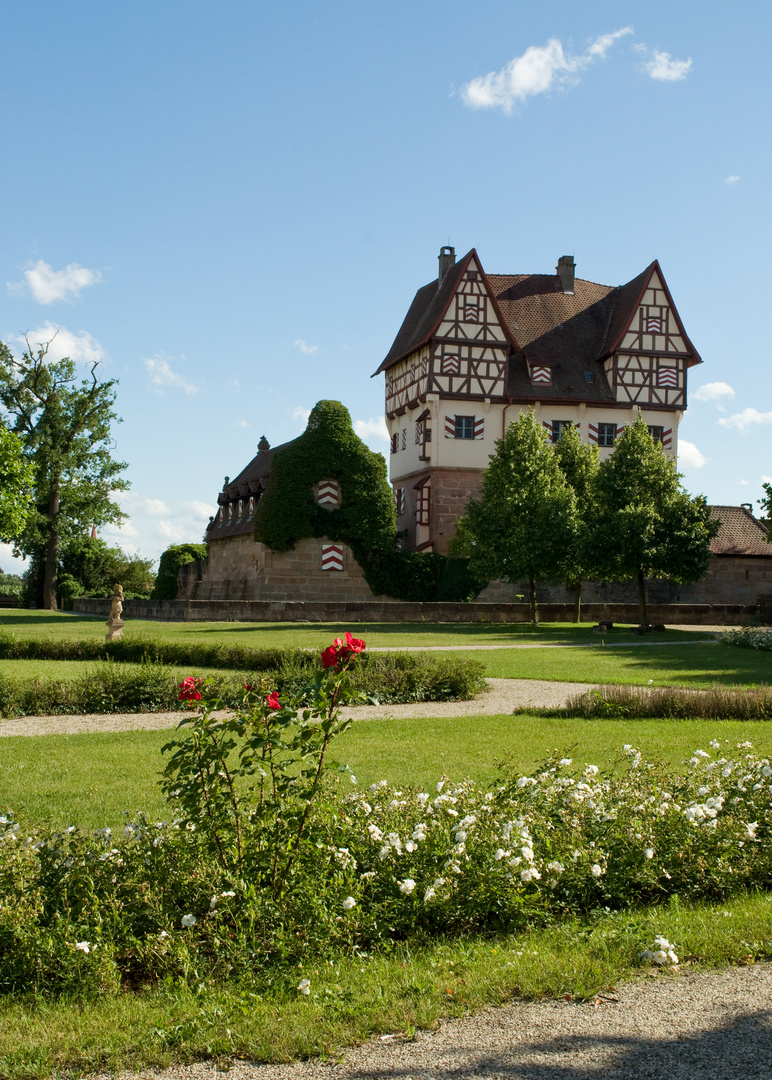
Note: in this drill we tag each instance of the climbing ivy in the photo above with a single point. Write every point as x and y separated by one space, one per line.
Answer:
330 449
173 558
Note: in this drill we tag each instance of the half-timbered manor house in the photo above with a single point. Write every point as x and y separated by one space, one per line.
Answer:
476 349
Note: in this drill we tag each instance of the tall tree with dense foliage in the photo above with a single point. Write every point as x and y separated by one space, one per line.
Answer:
647 525
579 464
524 524
766 506
15 486
64 425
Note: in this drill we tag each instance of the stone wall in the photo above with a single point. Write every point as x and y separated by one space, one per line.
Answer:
345 614
731 579
240 568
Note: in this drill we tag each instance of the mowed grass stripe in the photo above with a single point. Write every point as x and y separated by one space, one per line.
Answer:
91 779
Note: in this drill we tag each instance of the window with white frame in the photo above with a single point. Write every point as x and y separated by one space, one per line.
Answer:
607 434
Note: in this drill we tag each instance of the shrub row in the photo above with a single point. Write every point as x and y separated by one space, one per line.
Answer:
108 687
750 637
94 913
672 703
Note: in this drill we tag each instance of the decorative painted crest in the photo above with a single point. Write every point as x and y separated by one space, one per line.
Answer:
332 557
328 494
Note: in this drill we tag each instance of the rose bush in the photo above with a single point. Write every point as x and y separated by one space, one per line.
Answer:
272 855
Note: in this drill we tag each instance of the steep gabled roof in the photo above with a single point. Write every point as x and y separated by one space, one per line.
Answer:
569 332
251 481
629 297
740 533
559 330
425 314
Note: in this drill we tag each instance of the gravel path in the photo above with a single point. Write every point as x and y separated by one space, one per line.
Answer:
502 696
714 1025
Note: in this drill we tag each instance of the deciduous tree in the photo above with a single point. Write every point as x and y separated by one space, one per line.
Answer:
15 486
579 463
646 524
523 526
64 426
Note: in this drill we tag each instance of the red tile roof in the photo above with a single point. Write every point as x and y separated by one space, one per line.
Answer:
571 333
740 533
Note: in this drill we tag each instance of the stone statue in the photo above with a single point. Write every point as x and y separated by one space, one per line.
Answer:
115 624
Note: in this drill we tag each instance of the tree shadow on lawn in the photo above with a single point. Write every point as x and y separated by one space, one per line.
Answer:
549 633
740 1048
695 665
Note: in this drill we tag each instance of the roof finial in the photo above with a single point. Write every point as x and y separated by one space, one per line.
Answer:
263 444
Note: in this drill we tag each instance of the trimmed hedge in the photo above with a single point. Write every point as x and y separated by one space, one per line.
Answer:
151 686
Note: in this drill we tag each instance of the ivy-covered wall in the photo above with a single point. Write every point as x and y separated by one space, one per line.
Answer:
330 449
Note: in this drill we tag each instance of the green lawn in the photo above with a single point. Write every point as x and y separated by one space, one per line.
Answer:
91 780
696 665
67 626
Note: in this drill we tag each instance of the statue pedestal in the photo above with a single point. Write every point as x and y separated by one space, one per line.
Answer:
114 629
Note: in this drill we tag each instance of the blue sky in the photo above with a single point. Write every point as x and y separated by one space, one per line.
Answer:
232 204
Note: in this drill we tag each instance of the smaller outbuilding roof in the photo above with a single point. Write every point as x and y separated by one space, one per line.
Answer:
250 483
740 533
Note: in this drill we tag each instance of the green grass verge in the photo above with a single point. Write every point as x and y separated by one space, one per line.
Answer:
90 780
360 997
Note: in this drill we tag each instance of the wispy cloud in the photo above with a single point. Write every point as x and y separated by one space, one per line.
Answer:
241 423
746 419
539 69
372 429
689 457
742 483
48 285
82 348
766 479
162 377
299 413
715 392
732 180
661 65
305 347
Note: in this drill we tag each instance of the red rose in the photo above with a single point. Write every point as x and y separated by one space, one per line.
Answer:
272 701
189 689
339 652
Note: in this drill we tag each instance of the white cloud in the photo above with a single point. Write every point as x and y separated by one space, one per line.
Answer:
661 65
299 413
305 347
743 483
689 457
732 180
82 348
162 376
48 285
766 479
714 391
540 68
199 510
745 419
241 423
372 429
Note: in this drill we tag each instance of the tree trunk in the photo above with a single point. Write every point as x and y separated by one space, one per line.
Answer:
642 597
578 601
52 544
534 609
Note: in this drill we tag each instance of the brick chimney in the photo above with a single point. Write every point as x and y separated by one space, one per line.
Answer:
565 271
447 258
